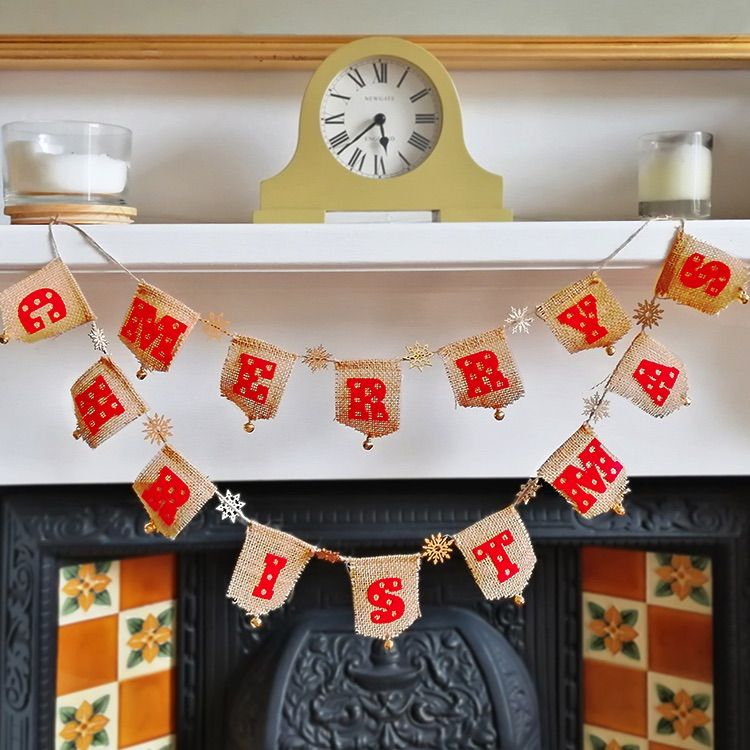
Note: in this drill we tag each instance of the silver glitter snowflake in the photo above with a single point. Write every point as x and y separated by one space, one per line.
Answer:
98 339
230 506
519 320
595 408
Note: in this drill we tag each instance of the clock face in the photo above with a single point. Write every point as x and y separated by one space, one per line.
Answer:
380 117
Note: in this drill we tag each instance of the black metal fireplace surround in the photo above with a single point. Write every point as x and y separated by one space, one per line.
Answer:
471 674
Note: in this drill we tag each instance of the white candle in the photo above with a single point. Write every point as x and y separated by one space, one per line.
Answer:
35 168
675 173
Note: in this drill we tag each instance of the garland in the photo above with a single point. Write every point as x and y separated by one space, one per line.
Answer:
481 371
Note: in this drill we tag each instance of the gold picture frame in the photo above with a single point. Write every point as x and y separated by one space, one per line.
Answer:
52 52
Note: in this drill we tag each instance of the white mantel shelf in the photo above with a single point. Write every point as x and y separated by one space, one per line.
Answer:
360 247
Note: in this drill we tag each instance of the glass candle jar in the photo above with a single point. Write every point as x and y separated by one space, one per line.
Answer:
674 174
65 162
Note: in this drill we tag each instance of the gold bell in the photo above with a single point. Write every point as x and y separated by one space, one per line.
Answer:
686 401
368 444
255 622
249 426
742 296
499 414
77 433
142 372
518 600
149 527
619 509
610 350
4 338
388 644
594 278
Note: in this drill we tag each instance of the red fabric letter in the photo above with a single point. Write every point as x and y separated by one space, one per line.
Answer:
573 481
167 494
33 306
481 371
657 380
366 397
253 369
274 564
495 549
388 606
97 405
161 334
714 274
583 317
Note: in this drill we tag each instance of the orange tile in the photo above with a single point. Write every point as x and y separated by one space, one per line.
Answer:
86 654
659 746
618 572
614 697
147 707
680 643
145 580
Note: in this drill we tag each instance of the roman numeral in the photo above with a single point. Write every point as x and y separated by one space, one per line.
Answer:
401 80
418 141
356 76
339 139
339 96
379 165
381 72
404 159
338 119
357 155
419 95
422 119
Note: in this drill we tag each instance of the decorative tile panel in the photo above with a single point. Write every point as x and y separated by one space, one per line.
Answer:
680 712
601 738
679 581
87 718
146 639
88 590
614 630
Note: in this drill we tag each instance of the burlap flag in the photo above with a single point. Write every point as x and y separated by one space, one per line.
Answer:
651 377
482 372
367 395
385 592
586 474
104 402
155 327
499 554
255 375
701 276
45 304
585 315
267 569
172 491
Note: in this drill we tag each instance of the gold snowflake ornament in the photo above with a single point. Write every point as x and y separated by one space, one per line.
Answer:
648 314
595 407
528 491
418 356
437 548
157 429
317 358
215 326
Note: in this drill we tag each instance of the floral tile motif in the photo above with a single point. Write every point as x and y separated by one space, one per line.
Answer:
679 581
600 738
680 711
146 639
88 590
87 719
169 742
615 630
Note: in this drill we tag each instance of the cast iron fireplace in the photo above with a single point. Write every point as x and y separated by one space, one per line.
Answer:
471 674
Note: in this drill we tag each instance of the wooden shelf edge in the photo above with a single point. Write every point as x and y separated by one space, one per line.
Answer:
306 52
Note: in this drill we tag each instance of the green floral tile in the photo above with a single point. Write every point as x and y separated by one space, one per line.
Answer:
680 712
679 581
87 719
600 738
615 630
146 639
88 590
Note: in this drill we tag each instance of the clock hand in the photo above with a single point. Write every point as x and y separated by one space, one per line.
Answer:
379 119
383 139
